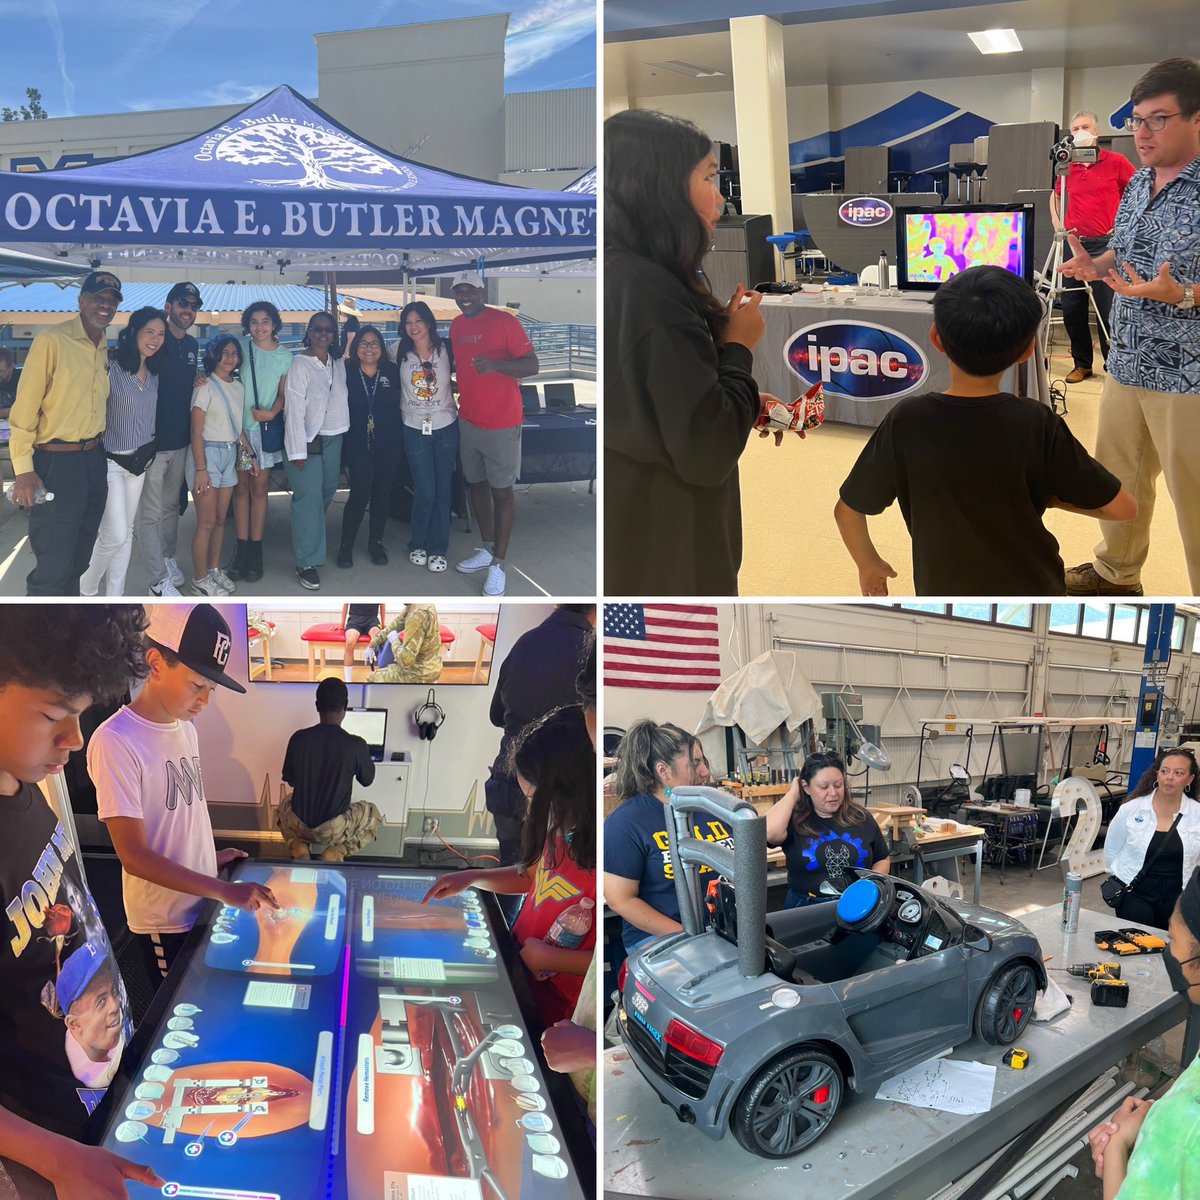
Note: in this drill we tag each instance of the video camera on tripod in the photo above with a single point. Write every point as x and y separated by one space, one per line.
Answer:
1064 152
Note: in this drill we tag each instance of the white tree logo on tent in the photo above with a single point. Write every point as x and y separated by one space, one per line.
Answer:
318 151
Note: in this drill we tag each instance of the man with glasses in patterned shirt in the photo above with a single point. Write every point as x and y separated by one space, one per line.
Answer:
157 524
1150 405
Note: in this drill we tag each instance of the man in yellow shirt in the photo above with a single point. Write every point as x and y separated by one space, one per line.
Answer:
56 442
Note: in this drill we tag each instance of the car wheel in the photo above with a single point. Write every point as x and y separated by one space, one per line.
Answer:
788 1104
1006 1006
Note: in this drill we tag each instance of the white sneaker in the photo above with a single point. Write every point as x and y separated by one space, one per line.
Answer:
206 587
477 562
495 581
222 581
174 574
164 588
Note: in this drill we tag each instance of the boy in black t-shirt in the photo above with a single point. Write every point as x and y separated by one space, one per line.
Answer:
974 468
64 1016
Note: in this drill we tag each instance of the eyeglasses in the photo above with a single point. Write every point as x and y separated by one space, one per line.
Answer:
329 329
1155 123
194 305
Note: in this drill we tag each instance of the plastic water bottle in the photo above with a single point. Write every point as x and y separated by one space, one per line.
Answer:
885 274
41 496
570 928
1072 901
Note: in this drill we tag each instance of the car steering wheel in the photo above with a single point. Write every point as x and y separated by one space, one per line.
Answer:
866 904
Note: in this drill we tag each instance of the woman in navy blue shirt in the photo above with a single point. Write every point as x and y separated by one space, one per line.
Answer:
373 444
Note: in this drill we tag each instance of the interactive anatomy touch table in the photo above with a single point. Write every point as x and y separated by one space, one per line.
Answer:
354 1045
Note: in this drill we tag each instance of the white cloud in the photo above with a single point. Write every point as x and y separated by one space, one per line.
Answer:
156 33
543 30
60 51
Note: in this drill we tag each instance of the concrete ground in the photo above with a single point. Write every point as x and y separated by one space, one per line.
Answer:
552 553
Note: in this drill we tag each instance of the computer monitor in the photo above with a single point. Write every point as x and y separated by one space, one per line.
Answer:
936 244
370 724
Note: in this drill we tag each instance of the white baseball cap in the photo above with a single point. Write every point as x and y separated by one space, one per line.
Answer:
474 278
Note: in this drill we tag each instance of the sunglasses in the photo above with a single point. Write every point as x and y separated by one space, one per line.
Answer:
194 305
329 329
427 366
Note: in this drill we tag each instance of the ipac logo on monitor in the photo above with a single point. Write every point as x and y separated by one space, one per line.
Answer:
865 211
857 359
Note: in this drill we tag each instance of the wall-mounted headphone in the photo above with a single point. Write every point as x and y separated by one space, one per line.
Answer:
428 718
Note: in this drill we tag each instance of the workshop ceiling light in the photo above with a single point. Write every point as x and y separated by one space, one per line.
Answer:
686 68
996 41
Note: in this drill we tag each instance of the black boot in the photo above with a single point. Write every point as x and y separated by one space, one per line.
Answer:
237 568
345 556
254 567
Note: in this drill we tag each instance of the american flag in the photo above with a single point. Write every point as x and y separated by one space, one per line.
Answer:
674 647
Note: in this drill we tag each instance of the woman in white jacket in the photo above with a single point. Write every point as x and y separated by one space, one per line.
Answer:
1145 828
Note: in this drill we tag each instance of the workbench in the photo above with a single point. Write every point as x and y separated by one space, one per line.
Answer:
880 1149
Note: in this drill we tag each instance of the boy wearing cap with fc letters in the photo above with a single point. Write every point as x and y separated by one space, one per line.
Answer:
145 763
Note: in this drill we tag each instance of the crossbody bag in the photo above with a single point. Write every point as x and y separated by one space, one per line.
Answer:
1113 891
271 431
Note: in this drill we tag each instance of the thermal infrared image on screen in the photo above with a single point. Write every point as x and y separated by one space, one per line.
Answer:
939 245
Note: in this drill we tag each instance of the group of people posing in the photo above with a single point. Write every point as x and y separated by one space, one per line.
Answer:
102 442
973 468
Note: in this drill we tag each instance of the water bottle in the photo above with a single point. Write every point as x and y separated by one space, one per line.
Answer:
885 274
1072 901
570 928
41 496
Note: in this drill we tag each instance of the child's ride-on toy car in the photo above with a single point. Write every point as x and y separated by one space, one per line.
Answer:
759 1023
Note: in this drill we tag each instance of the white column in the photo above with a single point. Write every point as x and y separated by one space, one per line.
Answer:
760 102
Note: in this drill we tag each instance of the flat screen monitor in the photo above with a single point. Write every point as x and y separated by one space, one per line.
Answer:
935 245
370 724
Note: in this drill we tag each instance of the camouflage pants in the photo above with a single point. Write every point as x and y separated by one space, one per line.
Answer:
351 831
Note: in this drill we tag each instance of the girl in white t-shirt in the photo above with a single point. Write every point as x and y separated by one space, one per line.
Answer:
217 435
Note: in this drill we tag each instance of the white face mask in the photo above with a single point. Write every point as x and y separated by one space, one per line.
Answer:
1084 137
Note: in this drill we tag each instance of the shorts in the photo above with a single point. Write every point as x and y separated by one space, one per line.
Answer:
266 458
221 460
491 454
362 625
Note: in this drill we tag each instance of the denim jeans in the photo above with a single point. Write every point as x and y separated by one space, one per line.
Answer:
802 899
431 460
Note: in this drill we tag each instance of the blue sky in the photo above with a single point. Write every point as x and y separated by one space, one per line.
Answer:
119 55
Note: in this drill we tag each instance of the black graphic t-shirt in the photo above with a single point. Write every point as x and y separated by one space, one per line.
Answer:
812 858
64 1015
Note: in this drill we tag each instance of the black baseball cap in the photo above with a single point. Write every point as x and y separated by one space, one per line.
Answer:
101 281
179 290
198 636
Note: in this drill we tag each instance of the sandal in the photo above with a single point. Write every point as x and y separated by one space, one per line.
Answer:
418 558
437 563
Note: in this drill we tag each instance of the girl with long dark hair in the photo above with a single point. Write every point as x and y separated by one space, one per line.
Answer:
679 397
1153 840
823 832
430 431
128 444
555 764
372 446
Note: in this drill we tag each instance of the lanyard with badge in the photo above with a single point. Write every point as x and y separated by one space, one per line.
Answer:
369 392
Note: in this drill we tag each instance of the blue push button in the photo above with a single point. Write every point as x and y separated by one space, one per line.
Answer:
858 900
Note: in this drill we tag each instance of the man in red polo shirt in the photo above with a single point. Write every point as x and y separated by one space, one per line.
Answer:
491 353
1093 192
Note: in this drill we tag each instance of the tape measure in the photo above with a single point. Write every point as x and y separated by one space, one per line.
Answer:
1017 1059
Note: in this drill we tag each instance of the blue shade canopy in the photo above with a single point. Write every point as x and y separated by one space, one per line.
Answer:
283 184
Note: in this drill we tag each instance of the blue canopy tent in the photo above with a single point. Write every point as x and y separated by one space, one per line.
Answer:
282 184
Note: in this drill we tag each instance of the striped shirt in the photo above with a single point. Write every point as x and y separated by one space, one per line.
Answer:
132 410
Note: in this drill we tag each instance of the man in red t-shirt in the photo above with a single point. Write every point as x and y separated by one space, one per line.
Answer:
491 353
1093 192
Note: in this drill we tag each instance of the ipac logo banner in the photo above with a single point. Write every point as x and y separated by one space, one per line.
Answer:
857 359
865 211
